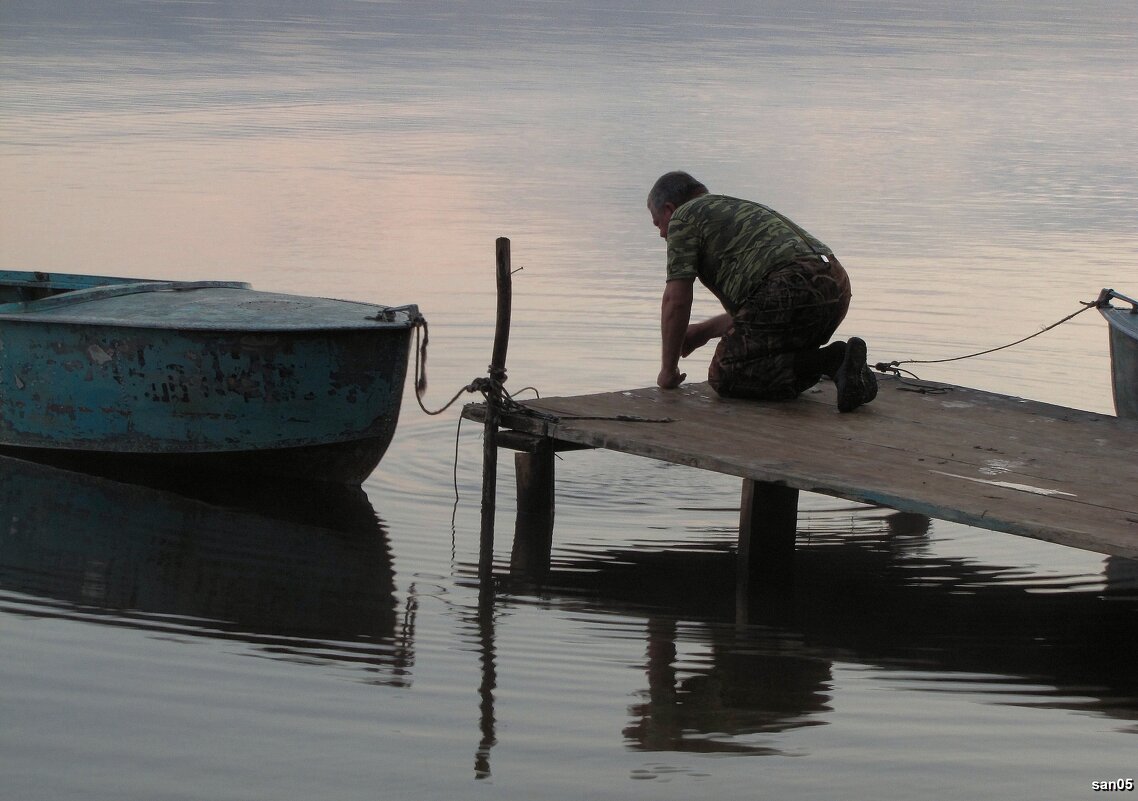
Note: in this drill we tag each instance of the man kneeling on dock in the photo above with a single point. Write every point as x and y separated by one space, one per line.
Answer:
784 291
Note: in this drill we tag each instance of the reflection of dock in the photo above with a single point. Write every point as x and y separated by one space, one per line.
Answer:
960 454
301 571
873 599
725 678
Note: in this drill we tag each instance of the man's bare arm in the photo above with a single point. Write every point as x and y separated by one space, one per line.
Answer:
675 314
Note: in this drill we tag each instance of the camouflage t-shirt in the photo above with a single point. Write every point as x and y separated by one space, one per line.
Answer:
731 244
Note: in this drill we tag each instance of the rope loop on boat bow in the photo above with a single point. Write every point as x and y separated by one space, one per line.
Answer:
490 386
492 389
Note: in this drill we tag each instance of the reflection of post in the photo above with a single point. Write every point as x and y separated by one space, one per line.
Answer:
749 682
533 529
486 722
658 725
490 445
768 521
1121 574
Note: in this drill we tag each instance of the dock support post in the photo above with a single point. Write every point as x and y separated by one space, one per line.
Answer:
490 445
768 522
533 528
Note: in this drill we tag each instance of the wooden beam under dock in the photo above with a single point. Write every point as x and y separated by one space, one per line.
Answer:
974 457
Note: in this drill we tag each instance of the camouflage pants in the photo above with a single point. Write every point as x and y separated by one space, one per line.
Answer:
766 354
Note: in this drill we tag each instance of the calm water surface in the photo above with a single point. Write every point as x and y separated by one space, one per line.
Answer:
973 166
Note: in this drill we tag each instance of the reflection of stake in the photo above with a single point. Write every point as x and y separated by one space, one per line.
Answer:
493 402
487 723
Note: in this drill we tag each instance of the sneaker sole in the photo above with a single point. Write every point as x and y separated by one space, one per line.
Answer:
856 383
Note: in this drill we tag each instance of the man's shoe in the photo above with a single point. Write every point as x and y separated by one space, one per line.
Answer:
856 383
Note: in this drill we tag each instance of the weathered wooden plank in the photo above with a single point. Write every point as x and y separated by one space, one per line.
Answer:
970 456
529 443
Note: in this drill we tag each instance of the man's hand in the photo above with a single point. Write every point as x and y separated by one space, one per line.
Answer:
670 379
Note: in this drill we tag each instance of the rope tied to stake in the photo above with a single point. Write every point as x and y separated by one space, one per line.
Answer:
491 387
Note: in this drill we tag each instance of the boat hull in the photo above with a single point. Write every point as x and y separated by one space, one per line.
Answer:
265 393
1123 360
349 462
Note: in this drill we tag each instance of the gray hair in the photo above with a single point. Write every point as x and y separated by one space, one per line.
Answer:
676 188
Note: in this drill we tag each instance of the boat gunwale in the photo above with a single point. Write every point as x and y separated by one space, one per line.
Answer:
52 309
90 294
1122 320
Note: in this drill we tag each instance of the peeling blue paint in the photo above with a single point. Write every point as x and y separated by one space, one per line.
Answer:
195 369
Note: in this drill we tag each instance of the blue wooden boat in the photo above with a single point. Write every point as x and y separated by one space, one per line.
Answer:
1123 351
207 375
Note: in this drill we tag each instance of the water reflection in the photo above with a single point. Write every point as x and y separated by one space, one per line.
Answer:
949 149
488 660
721 677
750 686
302 572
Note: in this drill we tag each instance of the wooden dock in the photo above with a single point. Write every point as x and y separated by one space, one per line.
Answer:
986 460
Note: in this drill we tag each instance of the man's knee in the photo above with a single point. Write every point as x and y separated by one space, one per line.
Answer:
751 384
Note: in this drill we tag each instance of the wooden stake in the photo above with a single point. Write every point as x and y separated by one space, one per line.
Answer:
490 445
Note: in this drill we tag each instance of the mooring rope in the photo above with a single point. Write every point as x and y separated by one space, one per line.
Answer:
493 391
487 386
894 367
